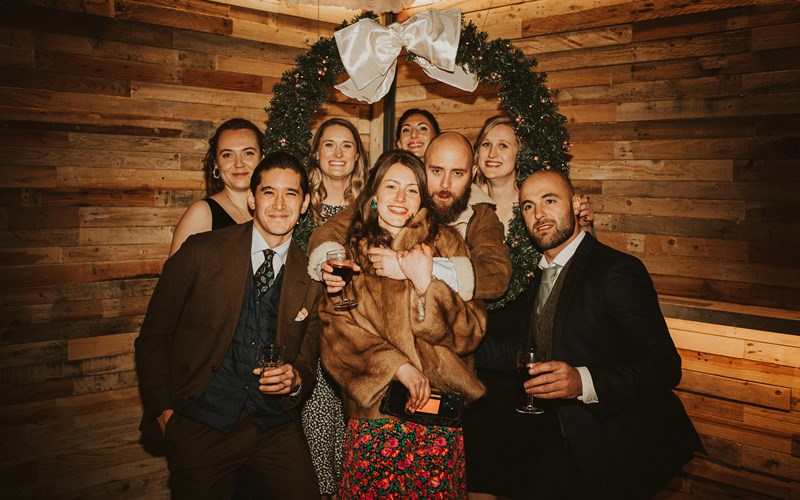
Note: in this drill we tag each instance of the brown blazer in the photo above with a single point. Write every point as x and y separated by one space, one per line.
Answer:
194 312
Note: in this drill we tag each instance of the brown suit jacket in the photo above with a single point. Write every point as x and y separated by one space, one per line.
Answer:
194 312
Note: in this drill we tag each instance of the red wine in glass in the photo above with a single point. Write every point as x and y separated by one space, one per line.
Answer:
524 358
343 271
342 263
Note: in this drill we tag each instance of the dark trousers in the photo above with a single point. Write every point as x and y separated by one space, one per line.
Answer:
203 462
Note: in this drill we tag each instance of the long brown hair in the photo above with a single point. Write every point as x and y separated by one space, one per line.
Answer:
315 175
364 231
215 185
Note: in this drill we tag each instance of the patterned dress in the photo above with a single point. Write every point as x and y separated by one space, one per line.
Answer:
323 415
394 459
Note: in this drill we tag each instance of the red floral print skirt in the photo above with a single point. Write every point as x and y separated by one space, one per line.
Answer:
390 458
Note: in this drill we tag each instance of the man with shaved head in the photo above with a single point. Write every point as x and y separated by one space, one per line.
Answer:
611 427
484 275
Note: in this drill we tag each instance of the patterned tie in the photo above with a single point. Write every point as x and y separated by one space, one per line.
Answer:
549 275
265 276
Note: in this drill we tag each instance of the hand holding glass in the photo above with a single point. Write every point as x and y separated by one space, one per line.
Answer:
524 358
270 356
342 263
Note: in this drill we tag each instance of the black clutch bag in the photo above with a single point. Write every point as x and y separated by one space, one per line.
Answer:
443 409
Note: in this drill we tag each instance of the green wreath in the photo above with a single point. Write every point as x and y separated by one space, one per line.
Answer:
523 94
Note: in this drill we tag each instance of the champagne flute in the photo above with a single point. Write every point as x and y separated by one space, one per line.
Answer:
524 358
342 263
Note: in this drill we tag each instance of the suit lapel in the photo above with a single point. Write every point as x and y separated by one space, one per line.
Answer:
294 289
233 258
576 268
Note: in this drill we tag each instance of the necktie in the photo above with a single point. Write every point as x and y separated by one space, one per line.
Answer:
549 275
265 275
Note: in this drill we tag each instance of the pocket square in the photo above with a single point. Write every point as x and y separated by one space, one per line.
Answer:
301 315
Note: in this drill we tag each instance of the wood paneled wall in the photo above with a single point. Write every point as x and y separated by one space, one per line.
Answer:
741 388
685 124
684 120
106 107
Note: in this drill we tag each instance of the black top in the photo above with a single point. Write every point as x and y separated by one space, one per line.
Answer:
219 217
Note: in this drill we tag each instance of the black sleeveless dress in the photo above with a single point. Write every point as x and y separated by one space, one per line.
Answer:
219 217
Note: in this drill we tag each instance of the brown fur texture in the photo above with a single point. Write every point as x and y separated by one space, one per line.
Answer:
363 348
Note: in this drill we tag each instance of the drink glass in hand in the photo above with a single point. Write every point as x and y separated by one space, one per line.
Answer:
524 358
342 263
270 356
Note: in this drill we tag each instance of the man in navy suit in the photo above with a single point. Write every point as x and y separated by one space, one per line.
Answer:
612 426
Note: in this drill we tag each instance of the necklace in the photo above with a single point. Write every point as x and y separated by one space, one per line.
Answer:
244 217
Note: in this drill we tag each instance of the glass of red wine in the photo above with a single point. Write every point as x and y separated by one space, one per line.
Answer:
342 263
524 358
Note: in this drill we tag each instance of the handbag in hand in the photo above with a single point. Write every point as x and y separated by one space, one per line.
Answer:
444 408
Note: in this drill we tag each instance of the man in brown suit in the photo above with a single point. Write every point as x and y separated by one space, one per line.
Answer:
219 297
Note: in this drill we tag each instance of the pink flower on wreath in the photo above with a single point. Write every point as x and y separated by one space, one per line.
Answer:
434 482
440 441
384 484
403 464
393 442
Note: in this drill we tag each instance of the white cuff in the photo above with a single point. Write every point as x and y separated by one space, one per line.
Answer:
589 396
317 257
465 274
445 270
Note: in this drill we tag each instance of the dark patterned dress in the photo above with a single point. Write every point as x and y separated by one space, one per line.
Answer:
394 459
323 414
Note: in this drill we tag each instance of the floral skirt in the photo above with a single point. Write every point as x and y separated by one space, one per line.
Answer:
390 458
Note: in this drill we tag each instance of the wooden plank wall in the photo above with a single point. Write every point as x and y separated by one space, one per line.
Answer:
106 106
741 388
685 124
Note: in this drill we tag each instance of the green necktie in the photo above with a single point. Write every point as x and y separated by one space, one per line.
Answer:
549 275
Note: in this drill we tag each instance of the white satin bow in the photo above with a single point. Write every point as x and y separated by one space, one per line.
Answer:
369 52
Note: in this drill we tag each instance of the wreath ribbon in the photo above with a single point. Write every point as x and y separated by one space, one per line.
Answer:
369 53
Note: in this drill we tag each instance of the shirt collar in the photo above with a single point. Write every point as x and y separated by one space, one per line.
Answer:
564 255
258 245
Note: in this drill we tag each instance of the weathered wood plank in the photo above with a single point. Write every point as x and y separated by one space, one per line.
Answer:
702 209
739 390
128 178
161 15
78 272
93 347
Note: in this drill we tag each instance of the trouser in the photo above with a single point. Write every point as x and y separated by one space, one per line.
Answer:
203 462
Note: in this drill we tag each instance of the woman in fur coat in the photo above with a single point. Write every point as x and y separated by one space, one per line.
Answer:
417 331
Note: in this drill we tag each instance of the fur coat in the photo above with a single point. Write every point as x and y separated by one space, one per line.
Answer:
437 333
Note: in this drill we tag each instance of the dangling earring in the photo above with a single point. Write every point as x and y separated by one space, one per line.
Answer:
374 205
215 172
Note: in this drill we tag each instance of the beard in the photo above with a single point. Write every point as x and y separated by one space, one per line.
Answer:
449 212
562 231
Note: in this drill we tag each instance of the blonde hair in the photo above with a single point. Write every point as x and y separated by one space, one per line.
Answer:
315 175
488 125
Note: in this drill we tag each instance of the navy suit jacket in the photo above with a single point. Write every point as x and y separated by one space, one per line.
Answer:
608 319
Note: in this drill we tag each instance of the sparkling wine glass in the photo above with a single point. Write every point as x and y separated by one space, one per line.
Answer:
524 358
342 263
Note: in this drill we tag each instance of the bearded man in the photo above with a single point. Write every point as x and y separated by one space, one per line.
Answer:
612 427
448 164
